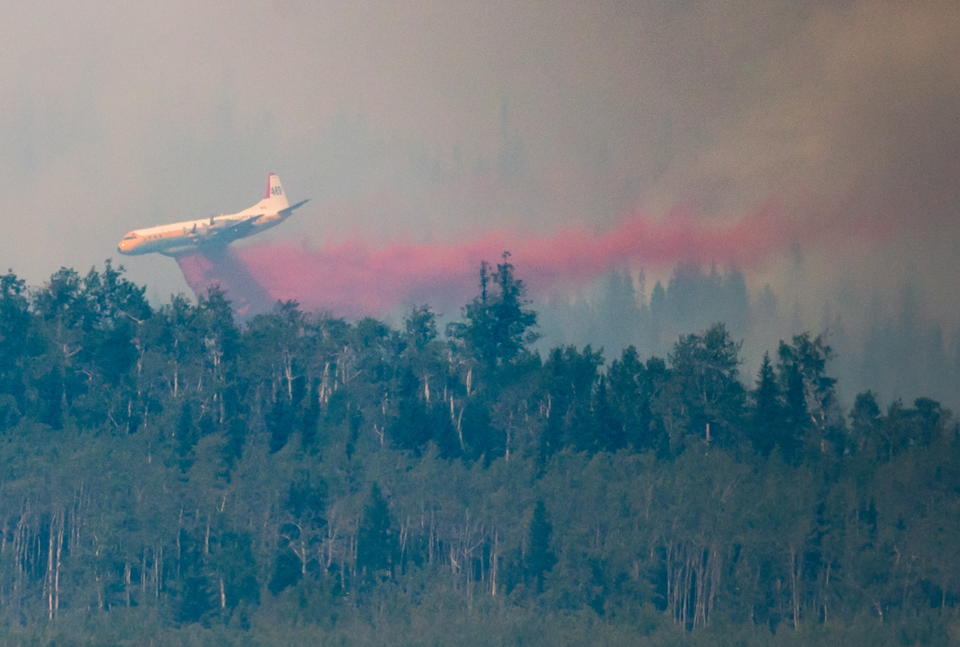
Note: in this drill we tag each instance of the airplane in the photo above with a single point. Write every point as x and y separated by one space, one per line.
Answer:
187 236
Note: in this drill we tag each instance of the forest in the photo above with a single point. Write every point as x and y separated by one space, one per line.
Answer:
171 475
885 340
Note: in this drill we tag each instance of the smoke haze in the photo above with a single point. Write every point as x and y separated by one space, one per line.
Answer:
449 122
358 277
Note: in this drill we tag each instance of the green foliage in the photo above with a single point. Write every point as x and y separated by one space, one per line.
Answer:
196 600
172 477
376 543
498 327
812 416
540 557
768 417
287 571
706 397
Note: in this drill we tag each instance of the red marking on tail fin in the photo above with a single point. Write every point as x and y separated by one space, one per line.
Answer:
267 194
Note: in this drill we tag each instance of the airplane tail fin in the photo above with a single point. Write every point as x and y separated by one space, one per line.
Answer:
275 198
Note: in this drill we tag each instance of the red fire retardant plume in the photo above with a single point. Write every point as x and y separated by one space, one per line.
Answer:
353 277
218 266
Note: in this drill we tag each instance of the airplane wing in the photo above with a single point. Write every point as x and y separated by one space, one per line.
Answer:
289 210
231 228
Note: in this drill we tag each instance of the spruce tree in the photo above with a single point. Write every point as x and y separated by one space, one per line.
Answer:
376 543
766 424
540 557
499 326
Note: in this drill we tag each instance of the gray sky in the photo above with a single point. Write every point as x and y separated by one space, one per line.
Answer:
390 116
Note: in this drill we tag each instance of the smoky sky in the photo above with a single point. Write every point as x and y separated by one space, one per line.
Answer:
442 120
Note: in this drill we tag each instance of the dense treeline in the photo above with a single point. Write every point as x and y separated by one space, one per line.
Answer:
171 476
884 343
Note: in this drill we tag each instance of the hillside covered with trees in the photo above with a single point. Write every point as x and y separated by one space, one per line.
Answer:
887 342
171 476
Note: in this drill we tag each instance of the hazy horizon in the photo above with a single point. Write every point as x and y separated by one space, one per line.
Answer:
445 123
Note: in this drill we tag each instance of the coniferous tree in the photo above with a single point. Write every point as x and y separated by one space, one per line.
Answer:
196 600
609 429
627 379
279 421
569 377
15 330
796 417
420 327
236 567
105 539
499 326
376 543
287 570
310 418
810 403
708 395
187 435
767 419
865 422
540 558
410 428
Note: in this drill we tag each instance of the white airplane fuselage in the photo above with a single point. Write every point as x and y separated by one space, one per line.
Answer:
190 235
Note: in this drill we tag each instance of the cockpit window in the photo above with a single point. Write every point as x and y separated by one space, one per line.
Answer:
130 236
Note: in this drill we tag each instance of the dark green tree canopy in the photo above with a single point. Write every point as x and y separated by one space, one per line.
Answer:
498 326
173 474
